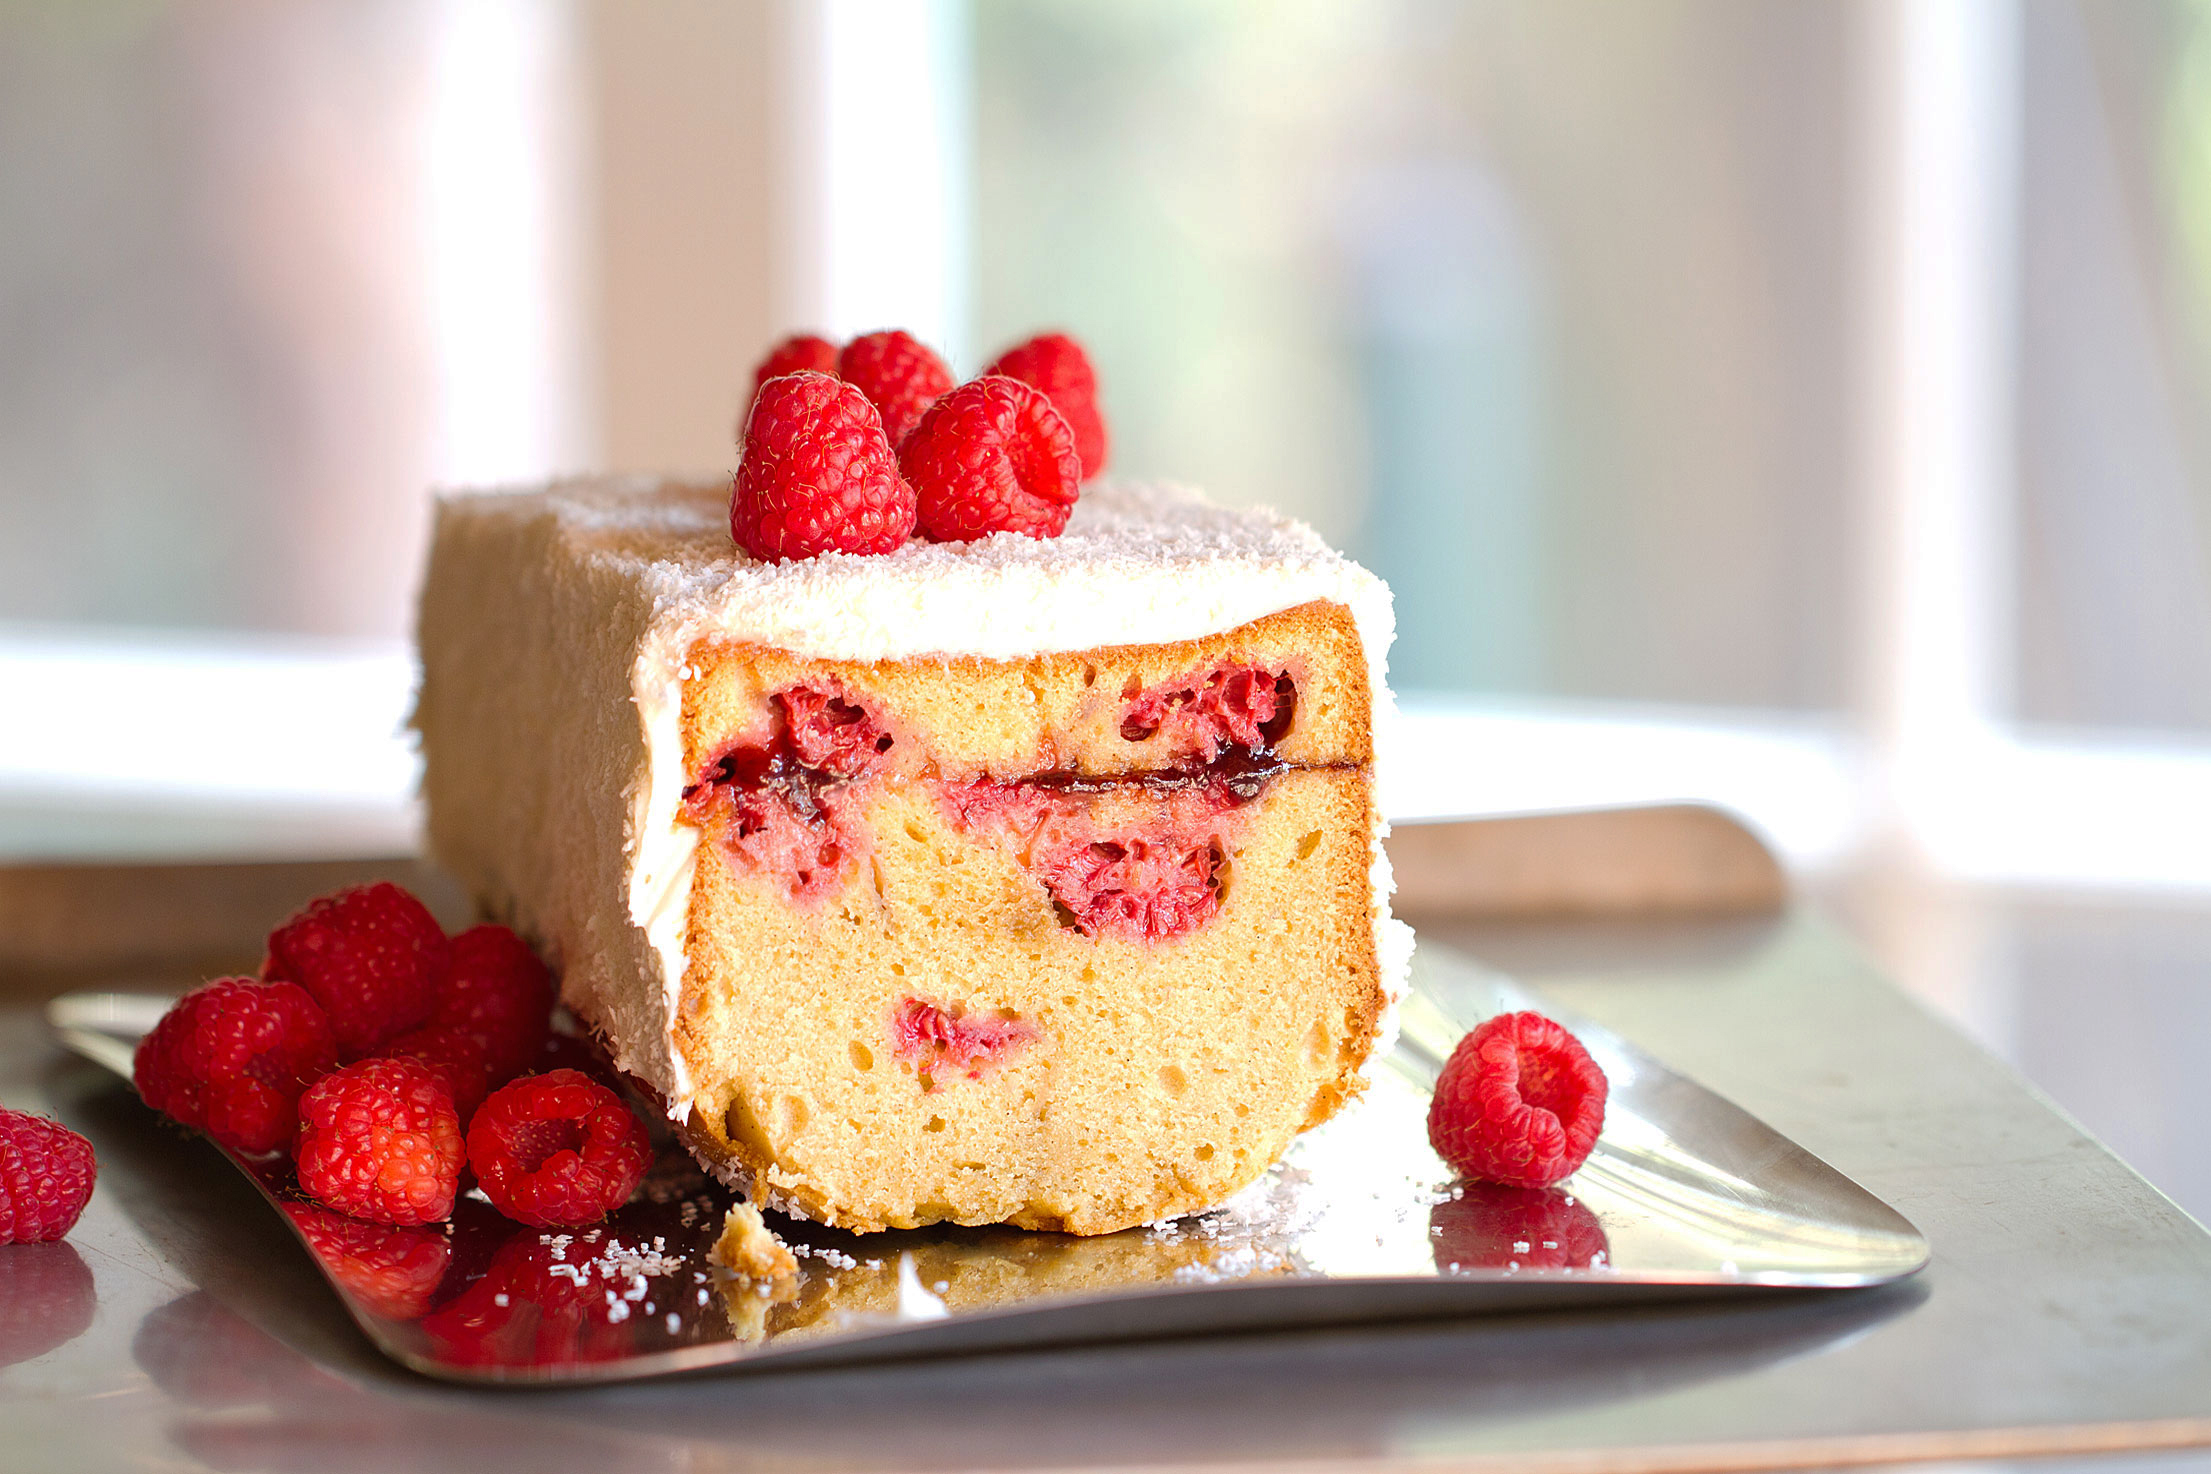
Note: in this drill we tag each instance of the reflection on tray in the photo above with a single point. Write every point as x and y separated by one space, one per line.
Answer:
484 1292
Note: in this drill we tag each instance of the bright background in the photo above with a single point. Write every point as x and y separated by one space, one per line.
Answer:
1803 407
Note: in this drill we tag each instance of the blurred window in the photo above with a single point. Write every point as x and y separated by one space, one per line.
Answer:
2115 365
1544 309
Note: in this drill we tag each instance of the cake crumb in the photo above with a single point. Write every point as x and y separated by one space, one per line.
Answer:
750 1248
758 1272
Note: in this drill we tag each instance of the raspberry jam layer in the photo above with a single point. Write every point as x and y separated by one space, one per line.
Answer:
780 804
936 1042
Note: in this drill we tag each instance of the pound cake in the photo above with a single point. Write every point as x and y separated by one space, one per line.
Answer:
1019 880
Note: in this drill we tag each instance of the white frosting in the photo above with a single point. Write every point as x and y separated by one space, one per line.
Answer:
1136 565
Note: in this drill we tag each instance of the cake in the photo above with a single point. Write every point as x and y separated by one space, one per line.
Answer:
1023 880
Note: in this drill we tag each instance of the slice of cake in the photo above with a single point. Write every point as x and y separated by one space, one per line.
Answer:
1019 880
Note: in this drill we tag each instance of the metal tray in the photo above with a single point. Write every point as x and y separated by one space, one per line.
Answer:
1685 1196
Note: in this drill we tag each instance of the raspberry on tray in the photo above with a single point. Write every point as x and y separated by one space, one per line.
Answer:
372 956
1519 1102
501 996
454 1057
557 1150
46 1173
231 1059
380 1140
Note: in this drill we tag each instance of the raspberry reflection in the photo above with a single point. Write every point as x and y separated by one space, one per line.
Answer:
46 1299
395 1271
1491 1226
532 1308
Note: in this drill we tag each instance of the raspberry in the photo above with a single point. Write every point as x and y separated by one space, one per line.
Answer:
557 1150
1056 364
373 957
1493 1227
798 354
395 1270
501 996
380 1140
1234 704
992 456
828 733
1146 878
899 374
454 1057
1148 889
46 1173
1519 1102
231 1059
930 1039
47 1297
817 475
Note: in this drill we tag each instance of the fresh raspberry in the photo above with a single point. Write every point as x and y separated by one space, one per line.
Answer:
454 1057
373 957
231 1059
535 1306
799 354
47 1297
992 456
1057 364
46 1173
380 1140
501 996
395 1270
1492 1227
557 1150
900 375
1519 1102
817 475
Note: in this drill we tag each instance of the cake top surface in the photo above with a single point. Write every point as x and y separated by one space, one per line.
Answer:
1137 562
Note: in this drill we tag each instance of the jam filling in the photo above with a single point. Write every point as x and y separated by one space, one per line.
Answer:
779 805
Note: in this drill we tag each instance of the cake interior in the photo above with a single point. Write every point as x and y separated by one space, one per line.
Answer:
1073 942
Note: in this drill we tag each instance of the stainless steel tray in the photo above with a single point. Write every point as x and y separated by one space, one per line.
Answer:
1685 1196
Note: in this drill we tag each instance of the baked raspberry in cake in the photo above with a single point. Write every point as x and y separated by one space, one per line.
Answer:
1020 880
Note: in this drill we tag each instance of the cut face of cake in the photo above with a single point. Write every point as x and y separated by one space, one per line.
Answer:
1017 881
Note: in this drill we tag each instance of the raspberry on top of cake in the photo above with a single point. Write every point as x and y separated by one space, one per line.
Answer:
1023 879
